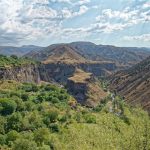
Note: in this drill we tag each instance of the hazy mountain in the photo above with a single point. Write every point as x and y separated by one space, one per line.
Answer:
125 56
122 55
19 51
64 54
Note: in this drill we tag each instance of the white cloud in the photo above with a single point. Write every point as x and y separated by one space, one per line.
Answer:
139 38
33 19
146 5
68 13
125 14
61 1
83 2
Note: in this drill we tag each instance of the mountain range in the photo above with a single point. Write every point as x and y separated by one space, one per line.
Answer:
18 51
124 56
128 69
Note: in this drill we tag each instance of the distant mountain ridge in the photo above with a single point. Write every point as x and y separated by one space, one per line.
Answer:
64 54
18 51
124 56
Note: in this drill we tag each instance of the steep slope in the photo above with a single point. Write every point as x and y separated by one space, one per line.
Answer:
85 88
19 69
134 84
122 56
18 51
46 117
127 56
64 54
61 62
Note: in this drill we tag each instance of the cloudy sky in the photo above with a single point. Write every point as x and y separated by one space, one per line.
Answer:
43 22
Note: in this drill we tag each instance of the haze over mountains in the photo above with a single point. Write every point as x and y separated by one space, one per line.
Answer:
19 51
125 56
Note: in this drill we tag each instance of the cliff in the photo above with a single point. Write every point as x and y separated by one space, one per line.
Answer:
23 73
85 89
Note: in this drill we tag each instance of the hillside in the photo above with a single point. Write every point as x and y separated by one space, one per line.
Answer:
85 88
18 51
13 61
46 117
19 69
134 84
64 54
127 56
122 56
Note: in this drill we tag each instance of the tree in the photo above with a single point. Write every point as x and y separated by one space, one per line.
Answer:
12 136
7 106
24 144
14 56
41 135
14 121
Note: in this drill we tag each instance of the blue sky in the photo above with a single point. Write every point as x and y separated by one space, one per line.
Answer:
44 22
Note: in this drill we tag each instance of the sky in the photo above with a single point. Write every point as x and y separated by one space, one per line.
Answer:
44 22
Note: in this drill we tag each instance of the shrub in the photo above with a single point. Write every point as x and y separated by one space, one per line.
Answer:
90 118
2 124
24 144
51 117
24 96
54 127
7 106
2 139
12 136
14 122
41 135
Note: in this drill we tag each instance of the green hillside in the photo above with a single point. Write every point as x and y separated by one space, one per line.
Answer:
9 61
46 117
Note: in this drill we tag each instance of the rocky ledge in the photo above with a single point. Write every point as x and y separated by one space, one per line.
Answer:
84 87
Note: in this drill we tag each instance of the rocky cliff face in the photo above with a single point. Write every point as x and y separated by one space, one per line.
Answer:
25 73
60 72
85 89
57 72
98 69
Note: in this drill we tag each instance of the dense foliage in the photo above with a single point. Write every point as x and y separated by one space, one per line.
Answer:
45 117
13 60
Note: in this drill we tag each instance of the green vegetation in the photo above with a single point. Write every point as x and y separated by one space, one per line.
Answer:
13 60
45 117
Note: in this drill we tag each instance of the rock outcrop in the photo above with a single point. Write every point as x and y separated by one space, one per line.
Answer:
85 89
25 73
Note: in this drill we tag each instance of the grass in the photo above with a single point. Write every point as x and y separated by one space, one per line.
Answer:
80 76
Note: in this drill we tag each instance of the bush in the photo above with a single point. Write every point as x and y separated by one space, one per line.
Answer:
41 135
14 122
51 117
14 56
2 124
24 144
7 106
44 147
54 127
2 139
12 136
90 118
24 96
